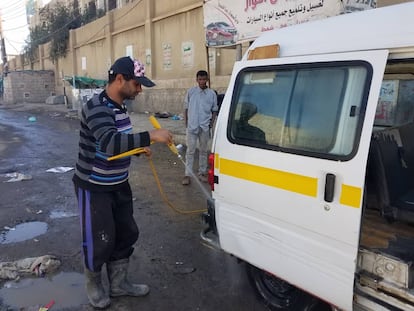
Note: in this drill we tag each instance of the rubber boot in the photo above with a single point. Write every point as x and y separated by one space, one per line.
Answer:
97 296
119 284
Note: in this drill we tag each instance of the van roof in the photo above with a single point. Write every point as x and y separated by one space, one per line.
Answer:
380 28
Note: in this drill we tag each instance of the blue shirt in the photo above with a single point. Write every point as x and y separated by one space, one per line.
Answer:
200 103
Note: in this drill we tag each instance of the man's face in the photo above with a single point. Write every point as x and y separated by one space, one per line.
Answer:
202 81
130 89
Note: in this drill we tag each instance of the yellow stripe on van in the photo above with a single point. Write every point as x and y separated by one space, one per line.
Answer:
216 160
350 196
274 178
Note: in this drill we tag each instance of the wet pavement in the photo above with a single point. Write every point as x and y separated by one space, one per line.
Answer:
23 232
182 271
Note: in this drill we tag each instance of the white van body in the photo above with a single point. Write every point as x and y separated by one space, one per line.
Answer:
292 204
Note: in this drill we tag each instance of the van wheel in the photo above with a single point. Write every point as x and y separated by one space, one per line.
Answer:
280 295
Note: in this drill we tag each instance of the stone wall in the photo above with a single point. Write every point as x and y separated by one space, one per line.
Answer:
28 86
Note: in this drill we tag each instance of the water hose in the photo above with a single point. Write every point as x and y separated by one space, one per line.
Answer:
128 153
174 150
164 197
157 125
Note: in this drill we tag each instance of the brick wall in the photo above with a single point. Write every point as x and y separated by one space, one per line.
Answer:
28 86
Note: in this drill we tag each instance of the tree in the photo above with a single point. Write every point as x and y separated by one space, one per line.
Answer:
54 26
59 20
38 35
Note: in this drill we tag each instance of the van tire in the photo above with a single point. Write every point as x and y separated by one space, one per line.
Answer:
279 295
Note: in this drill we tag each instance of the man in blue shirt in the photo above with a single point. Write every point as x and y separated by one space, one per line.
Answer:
200 111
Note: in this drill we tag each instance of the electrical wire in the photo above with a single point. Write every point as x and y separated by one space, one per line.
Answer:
15 4
17 9
13 16
15 28
8 41
14 41
92 36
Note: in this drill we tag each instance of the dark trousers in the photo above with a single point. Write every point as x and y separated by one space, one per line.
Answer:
108 227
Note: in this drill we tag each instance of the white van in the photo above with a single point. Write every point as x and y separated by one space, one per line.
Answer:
312 165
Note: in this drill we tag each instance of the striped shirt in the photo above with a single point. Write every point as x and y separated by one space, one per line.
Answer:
105 131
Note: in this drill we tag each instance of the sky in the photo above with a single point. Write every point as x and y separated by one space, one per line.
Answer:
14 24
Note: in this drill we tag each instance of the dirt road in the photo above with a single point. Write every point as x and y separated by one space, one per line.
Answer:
39 216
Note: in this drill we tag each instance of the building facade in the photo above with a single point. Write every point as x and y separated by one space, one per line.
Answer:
168 36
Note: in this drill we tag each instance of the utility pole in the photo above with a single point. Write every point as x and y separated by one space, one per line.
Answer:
3 50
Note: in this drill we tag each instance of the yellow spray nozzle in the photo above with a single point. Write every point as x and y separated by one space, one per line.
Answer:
157 125
174 149
154 122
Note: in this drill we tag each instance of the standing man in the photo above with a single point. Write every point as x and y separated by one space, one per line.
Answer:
200 112
103 192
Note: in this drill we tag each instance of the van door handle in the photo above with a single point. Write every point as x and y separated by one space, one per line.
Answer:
329 187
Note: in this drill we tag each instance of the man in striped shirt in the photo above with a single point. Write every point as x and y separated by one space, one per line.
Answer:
104 196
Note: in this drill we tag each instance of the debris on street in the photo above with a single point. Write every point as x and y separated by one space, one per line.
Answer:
39 266
59 169
17 177
48 306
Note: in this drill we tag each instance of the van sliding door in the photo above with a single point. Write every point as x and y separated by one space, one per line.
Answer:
291 166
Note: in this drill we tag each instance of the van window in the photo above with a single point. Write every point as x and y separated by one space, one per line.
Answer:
312 109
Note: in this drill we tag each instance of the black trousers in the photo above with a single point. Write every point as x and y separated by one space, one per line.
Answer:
107 224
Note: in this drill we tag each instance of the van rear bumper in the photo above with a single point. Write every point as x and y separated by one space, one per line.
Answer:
210 234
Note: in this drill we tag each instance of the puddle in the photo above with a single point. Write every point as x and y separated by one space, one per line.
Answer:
67 289
23 232
61 214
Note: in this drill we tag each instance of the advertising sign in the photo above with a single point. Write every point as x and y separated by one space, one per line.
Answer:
187 54
228 22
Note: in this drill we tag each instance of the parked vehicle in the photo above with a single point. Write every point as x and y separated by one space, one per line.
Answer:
312 164
220 33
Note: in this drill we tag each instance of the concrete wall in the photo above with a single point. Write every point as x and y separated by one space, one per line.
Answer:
166 35
28 86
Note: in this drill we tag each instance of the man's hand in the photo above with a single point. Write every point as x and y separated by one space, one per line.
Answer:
148 151
213 118
161 136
